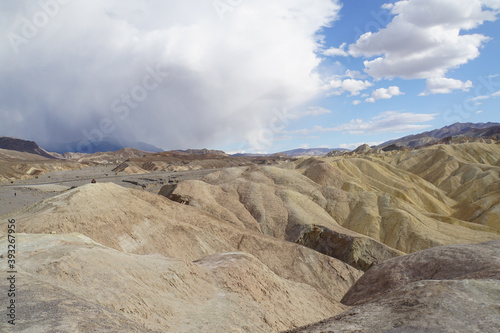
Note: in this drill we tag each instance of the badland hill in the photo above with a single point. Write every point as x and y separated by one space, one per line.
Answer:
370 241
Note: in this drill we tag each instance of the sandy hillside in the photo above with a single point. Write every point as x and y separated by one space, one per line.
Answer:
469 174
16 165
264 273
386 206
269 248
226 292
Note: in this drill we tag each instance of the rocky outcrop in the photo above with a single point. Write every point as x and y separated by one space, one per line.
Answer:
285 205
121 167
24 146
444 289
167 190
358 251
335 153
452 262
392 147
422 307
363 149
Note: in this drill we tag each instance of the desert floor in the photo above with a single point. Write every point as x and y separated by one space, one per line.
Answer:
24 193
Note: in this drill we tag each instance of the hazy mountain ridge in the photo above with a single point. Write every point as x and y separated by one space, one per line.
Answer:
310 151
68 150
88 147
24 146
456 129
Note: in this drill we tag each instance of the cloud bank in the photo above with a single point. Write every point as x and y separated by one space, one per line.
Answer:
385 122
426 38
171 73
389 121
442 85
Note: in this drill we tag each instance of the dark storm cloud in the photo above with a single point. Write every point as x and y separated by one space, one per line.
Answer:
175 74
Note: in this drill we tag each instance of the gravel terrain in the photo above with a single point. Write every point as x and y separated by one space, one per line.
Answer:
23 193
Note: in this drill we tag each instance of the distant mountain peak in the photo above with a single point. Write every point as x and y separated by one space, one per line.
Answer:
24 146
474 130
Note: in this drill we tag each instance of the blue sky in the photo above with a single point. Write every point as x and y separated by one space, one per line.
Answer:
252 76
352 120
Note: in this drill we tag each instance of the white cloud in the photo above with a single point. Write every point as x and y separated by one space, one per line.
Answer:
424 39
477 99
494 4
441 85
355 145
479 111
311 111
355 74
480 98
356 102
224 76
390 121
333 51
315 111
383 93
339 86
308 131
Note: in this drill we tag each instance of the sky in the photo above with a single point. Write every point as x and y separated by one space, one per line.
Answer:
245 76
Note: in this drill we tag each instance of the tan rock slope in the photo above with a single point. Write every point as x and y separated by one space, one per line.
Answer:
261 248
468 173
22 165
227 292
256 287
451 288
284 204
365 208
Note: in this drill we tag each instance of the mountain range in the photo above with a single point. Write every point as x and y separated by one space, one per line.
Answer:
309 151
68 150
23 146
359 242
102 146
473 130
